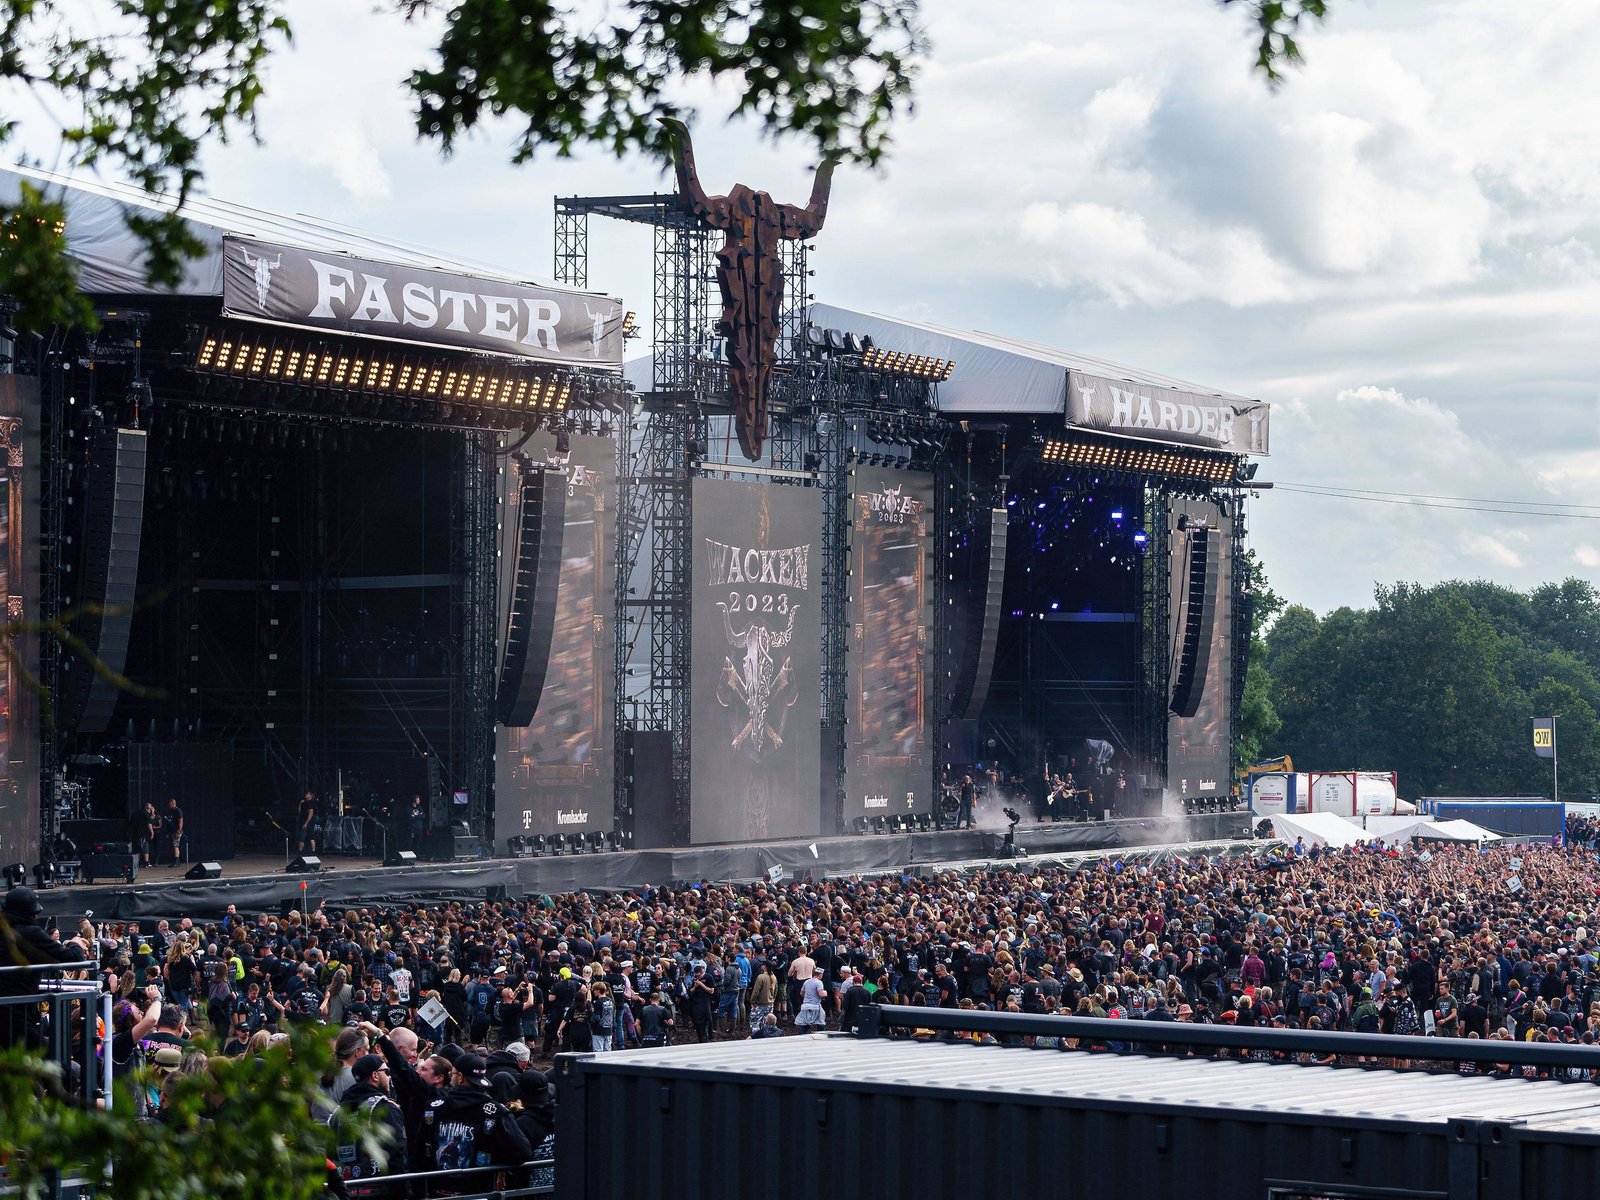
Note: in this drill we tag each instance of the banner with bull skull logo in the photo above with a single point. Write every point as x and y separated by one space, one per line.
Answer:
756 736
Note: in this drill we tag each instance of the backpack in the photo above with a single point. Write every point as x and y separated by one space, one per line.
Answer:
1366 1018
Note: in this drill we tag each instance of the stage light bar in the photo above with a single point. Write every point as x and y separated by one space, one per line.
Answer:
1139 459
489 384
921 366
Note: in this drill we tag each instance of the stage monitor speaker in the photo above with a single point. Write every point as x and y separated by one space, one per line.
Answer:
108 573
204 870
541 515
650 765
400 858
1195 621
993 597
109 866
307 864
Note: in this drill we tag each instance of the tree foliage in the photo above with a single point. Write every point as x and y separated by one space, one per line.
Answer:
242 1129
1439 683
149 82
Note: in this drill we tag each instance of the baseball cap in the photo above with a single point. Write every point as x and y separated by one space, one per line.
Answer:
470 1065
366 1066
519 1051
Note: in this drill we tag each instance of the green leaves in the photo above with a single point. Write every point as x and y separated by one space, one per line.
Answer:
835 71
1279 21
1439 683
147 84
237 1130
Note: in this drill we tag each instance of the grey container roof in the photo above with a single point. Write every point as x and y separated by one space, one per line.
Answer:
1017 1075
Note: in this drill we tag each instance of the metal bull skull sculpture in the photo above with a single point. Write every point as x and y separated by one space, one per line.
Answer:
765 696
750 274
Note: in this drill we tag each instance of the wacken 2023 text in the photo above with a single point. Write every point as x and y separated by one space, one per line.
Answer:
729 565
757 685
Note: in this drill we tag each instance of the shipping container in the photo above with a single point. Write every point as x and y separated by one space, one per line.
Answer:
1526 820
831 1115
1343 793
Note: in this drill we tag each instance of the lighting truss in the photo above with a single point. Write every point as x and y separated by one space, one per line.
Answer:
1139 458
876 358
507 387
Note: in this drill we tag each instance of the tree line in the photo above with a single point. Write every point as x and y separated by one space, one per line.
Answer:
1437 683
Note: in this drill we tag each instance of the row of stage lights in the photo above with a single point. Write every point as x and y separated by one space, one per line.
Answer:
539 845
508 386
1213 804
898 823
815 341
1141 460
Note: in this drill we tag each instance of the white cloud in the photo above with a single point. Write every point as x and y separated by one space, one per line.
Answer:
1586 555
1490 550
1413 214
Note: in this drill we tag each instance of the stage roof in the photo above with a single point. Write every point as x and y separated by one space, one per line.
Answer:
1004 375
261 264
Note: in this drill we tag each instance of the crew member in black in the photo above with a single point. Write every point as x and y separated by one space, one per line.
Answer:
142 829
172 832
968 794
306 827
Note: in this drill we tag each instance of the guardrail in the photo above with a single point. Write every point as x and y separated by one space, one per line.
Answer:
415 1184
1158 1038
73 1007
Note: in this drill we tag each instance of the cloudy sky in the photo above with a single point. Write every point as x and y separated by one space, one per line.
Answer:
1398 249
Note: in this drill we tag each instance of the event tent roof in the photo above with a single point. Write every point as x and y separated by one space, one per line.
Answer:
111 260
995 373
1318 829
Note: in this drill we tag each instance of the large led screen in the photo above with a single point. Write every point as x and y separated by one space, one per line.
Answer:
755 712
555 775
887 770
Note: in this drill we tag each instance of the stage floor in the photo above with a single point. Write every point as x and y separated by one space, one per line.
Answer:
260 884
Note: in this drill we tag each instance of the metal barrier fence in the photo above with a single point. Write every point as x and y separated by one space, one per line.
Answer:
1159 1038
418 1185
74 1012
63 1019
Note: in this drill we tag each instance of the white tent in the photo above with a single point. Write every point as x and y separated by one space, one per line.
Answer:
1392 830
1456 831
1317 829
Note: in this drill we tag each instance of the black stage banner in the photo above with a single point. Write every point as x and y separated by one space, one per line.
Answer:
756 707
1198 747
555 775
262 281
887 770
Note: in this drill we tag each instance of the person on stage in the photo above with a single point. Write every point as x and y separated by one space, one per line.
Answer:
416 823
306 827
142 830
172 832
969 793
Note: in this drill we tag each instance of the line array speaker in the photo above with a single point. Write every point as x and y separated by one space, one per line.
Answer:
1195 622
108 573
993 595
541 517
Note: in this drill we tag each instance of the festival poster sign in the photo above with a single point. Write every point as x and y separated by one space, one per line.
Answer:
555 775
755 712
887 769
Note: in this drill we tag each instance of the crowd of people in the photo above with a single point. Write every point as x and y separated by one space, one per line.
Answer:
447 1011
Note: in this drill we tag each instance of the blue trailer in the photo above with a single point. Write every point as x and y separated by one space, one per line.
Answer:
1524 818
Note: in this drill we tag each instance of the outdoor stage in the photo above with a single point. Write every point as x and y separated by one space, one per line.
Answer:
259 884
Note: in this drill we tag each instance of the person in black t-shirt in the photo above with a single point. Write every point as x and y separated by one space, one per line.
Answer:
306 825
172 833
